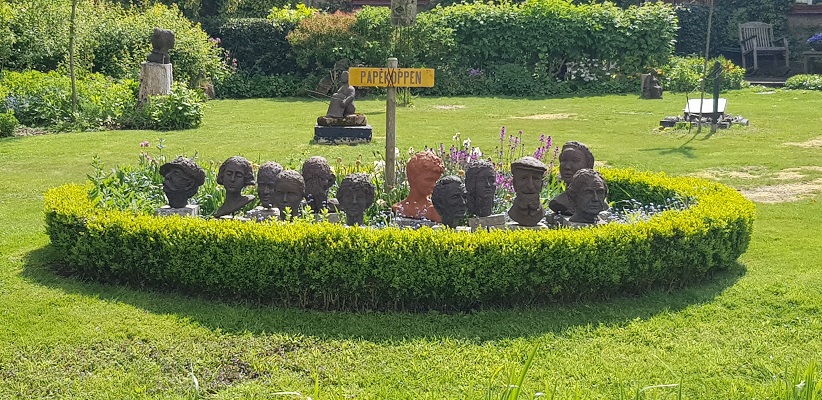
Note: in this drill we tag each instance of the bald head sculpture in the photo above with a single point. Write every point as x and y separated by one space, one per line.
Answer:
288 192
450 200
356 194
587 192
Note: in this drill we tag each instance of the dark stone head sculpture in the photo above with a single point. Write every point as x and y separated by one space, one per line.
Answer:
527 208
318 179
450 199
182 177
162 40
266 179
422 170
288 192
234 174
342 102
574 157
587 192
481 184
356 194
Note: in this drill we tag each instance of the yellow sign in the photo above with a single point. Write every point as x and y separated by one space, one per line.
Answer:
388 77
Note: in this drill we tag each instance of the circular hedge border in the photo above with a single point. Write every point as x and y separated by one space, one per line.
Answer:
336 267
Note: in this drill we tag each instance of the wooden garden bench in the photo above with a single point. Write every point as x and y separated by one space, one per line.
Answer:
757 38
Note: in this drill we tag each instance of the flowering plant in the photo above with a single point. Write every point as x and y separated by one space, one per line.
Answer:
815 40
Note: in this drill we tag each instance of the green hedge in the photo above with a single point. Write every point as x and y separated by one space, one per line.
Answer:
258 45
335 267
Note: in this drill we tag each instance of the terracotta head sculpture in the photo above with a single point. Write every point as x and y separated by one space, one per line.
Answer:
527 175
318 179
356 194
266 179
450 200
288 192
423 170
234 174
481 184
181 180
587 192
573 157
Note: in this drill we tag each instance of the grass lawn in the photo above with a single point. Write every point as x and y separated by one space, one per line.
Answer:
741 335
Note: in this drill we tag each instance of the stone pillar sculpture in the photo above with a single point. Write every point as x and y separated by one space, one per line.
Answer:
318 179
156 74
423 170
450 200
587 193
527 208
355 195
573 157
234 174
288 192
182 177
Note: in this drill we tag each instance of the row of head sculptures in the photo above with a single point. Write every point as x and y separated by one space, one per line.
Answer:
431 196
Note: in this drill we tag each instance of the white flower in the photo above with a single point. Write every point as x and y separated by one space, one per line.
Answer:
476 152
456 136
466 144
379 166
396 152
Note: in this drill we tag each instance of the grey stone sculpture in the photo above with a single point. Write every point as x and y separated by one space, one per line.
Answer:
266 180
288 192
527 209
162 40
450 200
234 174
342 102
573 157
182 177
481 185
587 192
318 179
356 194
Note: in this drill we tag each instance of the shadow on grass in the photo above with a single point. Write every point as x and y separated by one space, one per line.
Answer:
42 266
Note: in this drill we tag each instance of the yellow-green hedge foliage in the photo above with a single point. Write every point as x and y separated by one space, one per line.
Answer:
332 266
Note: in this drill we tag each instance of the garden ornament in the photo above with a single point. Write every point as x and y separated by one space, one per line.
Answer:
288 192
573 157
182 177
342 102
234 174
587 192
527 173
450 200
318 179
266 179
481 184
422 170
356 194
162 40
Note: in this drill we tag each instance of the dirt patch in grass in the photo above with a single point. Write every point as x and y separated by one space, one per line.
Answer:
547 116
784 193
449 107
749 172
813 143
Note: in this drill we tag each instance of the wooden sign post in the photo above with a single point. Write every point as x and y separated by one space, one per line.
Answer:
391 78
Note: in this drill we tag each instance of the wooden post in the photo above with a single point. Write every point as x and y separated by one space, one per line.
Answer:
72 74
717 72
391 131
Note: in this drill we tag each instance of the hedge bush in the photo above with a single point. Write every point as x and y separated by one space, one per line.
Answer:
258 45
336 267
683 74
804 81
8 123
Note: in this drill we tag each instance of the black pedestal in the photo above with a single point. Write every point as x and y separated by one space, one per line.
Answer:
342 134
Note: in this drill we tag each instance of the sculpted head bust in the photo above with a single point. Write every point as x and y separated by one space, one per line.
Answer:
422 171
162 40
182 177
266 179
527 174
481 185
234 174
450 199
573 157
587 192
288 192
356 194
318 179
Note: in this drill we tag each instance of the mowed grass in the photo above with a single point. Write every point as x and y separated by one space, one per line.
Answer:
740 335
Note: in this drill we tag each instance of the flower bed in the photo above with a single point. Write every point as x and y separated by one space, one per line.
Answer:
336 267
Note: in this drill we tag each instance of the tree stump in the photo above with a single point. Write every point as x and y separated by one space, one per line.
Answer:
155 79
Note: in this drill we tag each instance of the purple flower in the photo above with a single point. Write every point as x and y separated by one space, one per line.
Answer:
502 134
145 144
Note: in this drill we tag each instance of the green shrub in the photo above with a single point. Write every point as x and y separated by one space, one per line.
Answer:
683 74
332 266
320 40
44 100
804 81
244 85
181 109
8 124
244 38
289 14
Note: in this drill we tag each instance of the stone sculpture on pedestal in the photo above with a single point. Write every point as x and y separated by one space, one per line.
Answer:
156 74
342 124
355 195
450 200
288 192
587 193
234 174
182 177
573 157
527 175
318 179
162 40
423 170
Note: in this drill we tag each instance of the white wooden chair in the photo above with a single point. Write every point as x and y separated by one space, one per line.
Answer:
757 38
